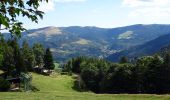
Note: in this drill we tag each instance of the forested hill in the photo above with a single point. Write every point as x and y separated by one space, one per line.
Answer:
68 42
157 45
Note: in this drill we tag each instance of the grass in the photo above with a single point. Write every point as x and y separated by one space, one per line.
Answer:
82 42
59 87
57 69
56 65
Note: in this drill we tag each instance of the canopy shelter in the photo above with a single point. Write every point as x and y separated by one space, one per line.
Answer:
26 80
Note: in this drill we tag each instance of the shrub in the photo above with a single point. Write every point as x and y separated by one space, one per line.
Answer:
4 85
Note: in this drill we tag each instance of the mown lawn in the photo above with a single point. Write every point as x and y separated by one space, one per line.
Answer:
60 88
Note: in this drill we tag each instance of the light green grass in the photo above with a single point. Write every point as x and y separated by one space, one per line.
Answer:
60 88
57 69
56 65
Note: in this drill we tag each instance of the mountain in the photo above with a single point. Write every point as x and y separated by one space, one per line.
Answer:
68 42
159 44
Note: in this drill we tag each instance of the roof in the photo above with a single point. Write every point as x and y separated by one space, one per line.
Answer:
15 80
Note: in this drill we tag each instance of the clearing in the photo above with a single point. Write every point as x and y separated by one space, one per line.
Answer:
59 87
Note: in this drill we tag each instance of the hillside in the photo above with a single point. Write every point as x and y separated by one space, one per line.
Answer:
145 49
60 88
68 42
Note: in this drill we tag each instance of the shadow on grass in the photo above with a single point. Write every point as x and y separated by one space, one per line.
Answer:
79 84
34 89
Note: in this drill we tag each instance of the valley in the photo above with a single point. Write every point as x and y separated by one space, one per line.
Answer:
69 42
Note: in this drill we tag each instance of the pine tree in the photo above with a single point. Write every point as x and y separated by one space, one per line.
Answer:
48 60
165 74
28 56
38 53
18 58
8 63
1 50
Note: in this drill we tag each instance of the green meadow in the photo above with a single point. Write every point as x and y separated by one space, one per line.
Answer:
60 87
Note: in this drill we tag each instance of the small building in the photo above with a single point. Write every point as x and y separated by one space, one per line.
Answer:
42 70
16 83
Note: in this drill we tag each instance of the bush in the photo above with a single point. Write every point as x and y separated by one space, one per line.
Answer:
148 74
4 85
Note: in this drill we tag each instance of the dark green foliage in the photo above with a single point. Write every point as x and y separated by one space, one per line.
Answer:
8 60
15 59
74 64
91 70
28 56
90 75
139 71
165 73
118 79
4 85
153 76
149 74
18 57
1 52
48 60
1 59
39 54
8 63
124 60
20 65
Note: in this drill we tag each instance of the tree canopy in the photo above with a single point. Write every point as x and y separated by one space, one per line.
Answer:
48 60
11 10
148 74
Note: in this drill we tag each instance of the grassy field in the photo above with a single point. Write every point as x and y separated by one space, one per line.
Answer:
59 87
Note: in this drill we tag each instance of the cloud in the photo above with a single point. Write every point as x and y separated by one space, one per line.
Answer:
45 7
50 6
135 3
67 1
149 8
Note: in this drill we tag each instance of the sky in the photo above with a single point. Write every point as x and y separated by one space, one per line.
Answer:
102 13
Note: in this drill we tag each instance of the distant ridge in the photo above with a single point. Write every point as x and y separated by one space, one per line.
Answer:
73 41
148 48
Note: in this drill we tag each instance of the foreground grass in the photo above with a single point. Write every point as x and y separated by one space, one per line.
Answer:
59 87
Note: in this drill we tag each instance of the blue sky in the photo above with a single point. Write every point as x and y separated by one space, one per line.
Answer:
102 13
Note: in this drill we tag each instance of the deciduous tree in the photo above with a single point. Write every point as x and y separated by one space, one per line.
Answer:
11 10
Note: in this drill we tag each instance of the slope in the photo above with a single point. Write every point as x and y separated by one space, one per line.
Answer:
59 88
148 48
68 42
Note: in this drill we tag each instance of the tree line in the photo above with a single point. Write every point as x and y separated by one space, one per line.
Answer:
24 58
148 74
